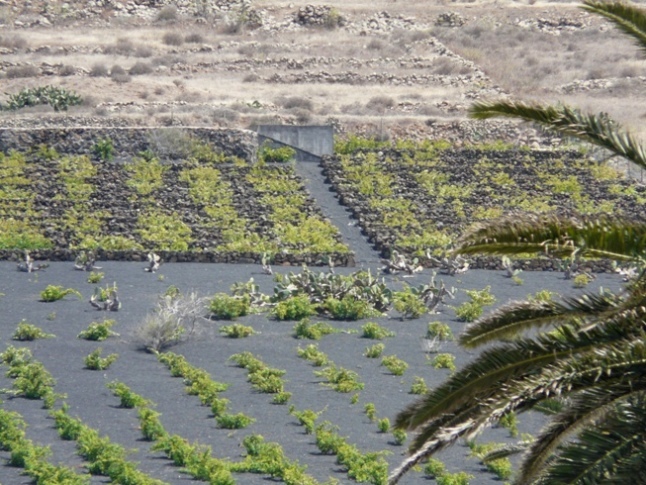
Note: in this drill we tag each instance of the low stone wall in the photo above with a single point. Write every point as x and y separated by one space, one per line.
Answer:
130 141
542 264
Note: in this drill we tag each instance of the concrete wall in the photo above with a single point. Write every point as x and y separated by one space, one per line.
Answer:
317 140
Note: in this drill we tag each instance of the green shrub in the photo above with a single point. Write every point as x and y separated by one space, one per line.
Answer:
395 365
28 331
94 361
283 154
409 304
306 418
237 330
374 351
440 330
58 98
469 311
55 293
510 422
234 421
281 397
98 331
150 425
419 386
314 331
104 149
95 277
383 425
459 478
33 381
314 355
373 330
444 361
128 398
340 379
581 281
434 468
294 308
400 436
348 308
371 411
267 380
225 307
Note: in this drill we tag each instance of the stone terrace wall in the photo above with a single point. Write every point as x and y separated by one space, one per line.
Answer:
128 141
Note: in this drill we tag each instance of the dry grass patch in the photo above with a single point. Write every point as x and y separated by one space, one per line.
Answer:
22 72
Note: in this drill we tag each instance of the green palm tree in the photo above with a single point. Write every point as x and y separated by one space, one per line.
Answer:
589 351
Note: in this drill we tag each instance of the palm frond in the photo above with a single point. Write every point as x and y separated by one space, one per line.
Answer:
506 451
589 405
596 129
598 451
557 235
516 317
631 20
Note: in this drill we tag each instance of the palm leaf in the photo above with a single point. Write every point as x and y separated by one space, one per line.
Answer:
629 19
512 319
557 235
596 129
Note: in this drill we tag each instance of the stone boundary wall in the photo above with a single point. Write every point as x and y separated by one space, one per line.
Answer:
129 141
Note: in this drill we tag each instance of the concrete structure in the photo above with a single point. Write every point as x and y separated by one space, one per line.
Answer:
310 142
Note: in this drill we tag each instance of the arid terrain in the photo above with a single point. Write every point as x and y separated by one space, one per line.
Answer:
386 68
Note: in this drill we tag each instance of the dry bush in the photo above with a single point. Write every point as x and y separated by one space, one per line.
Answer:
219 114
167 60
292 102
117 70
173 143
189 97
22 71
123 47
380 103
446 66
101 111
194 38
67 70
375 45
99 70
119 75
13 41
159 90
302 116
251 78
140 68
176 319
168 14
143 51
173 38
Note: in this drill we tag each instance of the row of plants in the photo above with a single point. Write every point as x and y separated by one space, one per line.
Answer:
202 204
418 197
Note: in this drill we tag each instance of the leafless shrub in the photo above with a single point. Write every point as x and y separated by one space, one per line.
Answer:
250 78
168 14
380 103
99 70
140 68
22 71
159 90
13 41
101 111
67 70
597 73
194 38
170 143
295 102
629 71
173 38
302 116
189 96
117 70
174 320
121 78
179 83
89 101
375 45
446 66
143 51
123 47
226 114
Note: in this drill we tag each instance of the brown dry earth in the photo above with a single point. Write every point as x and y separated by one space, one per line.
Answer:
390 68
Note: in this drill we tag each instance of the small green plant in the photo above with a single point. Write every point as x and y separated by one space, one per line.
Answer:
354 399
225 307
542 295
314 331
510 422
374 351
469 311
128 398
348 308
371 411
312 353
294 308
51 316
383 425
281 397
104 149
55 293
439 330
517 280
237 330
268 154
94 361
28 331
340 379
306 418
58 98
434 468
373 330
151 427
32 381
418 386
95 277
395 365
444 361
234 421
581 281
409 304
500 466
400 436
98 331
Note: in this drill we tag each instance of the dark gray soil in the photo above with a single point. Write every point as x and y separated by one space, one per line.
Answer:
274 343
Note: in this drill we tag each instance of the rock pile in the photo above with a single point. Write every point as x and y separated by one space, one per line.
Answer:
318 16
450 19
